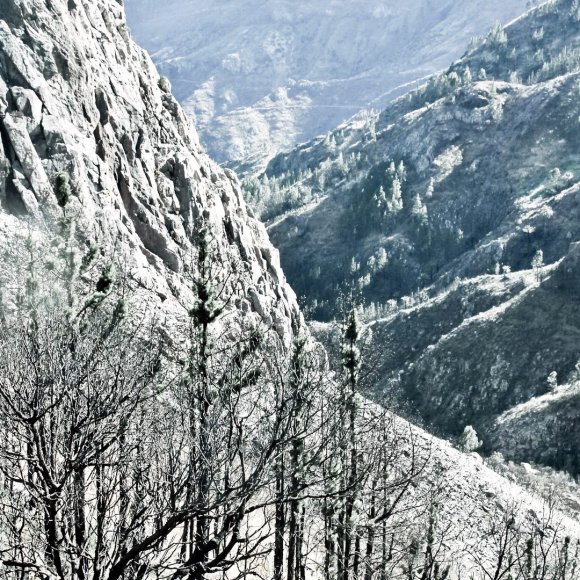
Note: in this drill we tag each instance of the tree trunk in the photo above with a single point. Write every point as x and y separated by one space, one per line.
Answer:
80 523
356 562
280 520
371 534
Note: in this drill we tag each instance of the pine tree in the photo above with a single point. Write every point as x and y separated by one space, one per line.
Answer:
402 172
382 259
63 188
497 36
467 76
468 441
204 313
383 204
538 264
419 210
397 196
351 362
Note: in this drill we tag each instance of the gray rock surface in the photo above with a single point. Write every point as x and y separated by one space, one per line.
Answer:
77 95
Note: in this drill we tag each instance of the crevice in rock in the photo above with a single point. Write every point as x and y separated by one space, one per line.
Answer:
168 169
102 105
14 202
127 144
100 147
6 143
40 142
86 113
113 89
13 199
139 144
230 232
62 65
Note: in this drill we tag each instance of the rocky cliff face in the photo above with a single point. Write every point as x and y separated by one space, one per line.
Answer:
260 77
468 248
78 96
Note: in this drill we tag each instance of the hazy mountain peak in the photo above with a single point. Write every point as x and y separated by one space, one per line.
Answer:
260 77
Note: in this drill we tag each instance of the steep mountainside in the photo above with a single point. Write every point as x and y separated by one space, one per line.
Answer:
259 77
77 95
455 215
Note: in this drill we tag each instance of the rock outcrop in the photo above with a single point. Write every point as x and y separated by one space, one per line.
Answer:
78 96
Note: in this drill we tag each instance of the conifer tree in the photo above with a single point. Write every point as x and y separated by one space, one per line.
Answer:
397 197
538 264
351 362
419 210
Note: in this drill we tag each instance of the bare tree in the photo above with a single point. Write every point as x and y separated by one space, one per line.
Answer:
75 372
208 446
130 457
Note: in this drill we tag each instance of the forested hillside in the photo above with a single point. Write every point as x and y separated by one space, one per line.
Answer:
454 215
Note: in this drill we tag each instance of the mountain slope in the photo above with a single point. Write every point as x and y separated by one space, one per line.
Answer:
79 96
443 212
260 77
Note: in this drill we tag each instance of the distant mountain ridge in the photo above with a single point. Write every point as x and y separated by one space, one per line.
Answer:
260 77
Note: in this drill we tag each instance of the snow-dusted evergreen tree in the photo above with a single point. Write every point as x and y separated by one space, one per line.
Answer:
467 76
419 210
397 195
383 204
468 441
538 264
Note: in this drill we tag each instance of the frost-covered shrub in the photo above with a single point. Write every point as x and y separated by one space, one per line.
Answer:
468 441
